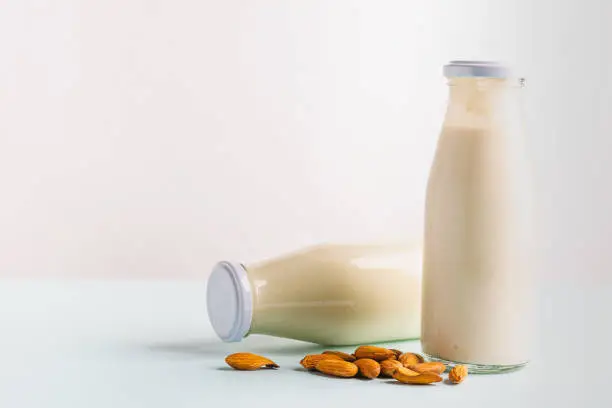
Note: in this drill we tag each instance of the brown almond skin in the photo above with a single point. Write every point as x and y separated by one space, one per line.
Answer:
408 359
368 368
405 376
249 361
457 374
374 352
387 367
310 361
432 367
337 368
405 371
341 354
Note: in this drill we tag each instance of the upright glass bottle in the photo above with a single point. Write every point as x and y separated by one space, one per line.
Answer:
476 287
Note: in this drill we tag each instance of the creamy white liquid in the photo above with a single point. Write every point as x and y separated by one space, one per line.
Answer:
339 294
476 297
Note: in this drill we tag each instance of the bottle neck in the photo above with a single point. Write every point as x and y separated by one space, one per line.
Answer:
476 102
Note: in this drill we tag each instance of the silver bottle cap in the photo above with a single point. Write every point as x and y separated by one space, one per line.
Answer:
229 301
481 69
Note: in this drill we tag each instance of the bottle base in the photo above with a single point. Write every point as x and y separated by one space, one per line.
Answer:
479 368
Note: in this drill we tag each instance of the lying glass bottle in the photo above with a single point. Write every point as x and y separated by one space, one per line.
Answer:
328 294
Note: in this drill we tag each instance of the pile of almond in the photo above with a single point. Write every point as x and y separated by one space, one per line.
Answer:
366 362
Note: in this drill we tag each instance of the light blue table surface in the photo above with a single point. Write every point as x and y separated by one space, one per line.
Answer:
149 344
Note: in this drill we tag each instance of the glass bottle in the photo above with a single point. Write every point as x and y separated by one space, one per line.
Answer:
328 294
476 287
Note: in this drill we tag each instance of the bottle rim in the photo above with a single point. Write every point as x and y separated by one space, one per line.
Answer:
475 69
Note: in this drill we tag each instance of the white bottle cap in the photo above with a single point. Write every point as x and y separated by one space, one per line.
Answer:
229 301
482 69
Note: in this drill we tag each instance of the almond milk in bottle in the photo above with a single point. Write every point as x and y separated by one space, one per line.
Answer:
476 288
331 294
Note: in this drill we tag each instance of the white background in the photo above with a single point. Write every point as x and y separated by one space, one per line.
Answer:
153 138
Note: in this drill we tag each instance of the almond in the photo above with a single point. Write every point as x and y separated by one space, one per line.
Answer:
387 367
406 376
405 371
337 367
341 354
373 352
249 361
432 367
311 360
408 359
457 374
368 368
397 353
